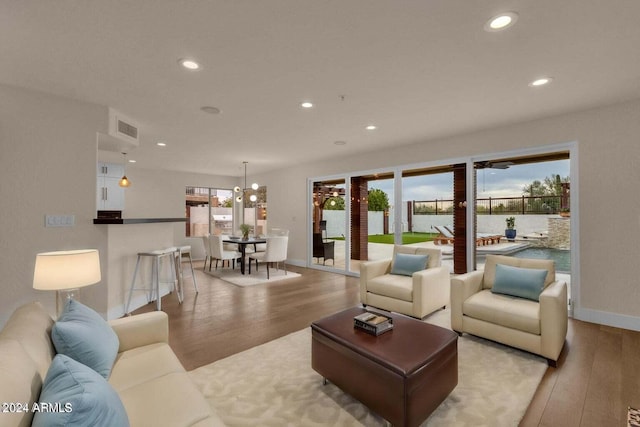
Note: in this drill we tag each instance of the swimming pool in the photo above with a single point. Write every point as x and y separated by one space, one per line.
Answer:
561 257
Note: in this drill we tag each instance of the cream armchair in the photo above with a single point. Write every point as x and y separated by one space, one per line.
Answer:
417 295
536 327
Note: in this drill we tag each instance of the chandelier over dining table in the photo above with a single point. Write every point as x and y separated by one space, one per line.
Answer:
240 191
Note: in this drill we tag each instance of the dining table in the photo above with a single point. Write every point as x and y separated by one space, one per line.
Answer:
242 245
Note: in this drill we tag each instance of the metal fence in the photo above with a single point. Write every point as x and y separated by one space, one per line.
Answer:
524 205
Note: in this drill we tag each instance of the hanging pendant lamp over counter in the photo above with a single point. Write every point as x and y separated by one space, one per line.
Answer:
124 181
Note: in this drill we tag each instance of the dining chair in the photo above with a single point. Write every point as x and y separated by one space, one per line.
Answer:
276 251
226 245
207 251
278 232
261 247
220 254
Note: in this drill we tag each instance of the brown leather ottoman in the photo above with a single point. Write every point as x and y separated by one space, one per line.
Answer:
402 375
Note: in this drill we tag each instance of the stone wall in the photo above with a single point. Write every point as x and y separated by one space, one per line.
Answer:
559 233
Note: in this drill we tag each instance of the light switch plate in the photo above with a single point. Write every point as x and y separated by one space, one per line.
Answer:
59 220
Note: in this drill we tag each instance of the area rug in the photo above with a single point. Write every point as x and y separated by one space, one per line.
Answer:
255 278
273 385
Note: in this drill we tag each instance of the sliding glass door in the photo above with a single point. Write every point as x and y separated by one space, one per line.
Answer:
427 209
371 218
328 223
459 207
352 220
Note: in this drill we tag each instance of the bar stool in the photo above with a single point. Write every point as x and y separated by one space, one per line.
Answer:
185 251
178 284
153 289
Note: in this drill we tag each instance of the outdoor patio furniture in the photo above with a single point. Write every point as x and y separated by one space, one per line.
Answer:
446 237
483 238
322 249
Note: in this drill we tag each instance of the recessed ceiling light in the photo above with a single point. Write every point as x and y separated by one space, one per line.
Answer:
540 82
371 127
306 104
211 110
189 64
131 161
161 144
340 142
501 22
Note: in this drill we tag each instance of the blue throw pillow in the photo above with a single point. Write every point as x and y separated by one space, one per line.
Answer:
83 335
519 282
75 395
407 264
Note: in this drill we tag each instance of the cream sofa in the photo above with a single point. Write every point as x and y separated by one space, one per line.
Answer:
418 295
536 327
147 376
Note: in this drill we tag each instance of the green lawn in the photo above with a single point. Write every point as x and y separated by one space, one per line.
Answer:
406 238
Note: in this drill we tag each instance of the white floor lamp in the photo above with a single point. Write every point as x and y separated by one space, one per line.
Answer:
66 271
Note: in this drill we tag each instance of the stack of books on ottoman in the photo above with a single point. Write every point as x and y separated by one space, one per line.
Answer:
373 323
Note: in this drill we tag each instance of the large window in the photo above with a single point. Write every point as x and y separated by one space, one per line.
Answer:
254 203
328 223
341 241
461 208
208 211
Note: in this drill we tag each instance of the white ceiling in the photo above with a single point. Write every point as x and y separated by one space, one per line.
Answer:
418 69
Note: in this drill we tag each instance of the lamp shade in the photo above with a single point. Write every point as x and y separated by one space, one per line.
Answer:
66 269
124 181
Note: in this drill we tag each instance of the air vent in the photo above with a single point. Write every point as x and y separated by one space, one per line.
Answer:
127 129
123 128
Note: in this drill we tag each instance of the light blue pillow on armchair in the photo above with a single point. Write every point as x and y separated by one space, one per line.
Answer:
519 282
76 395
83 335
407 264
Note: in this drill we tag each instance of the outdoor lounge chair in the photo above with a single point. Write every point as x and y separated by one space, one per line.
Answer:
483 238
492 238
446 237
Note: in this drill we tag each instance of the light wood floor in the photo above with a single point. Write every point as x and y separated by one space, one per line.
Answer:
597 377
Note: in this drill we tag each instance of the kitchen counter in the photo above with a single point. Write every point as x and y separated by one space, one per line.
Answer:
136 220
125 238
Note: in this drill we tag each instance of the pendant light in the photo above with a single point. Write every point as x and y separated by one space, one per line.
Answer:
254 186
124 181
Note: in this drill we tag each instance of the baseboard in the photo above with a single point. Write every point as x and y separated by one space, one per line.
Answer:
607 318
297 262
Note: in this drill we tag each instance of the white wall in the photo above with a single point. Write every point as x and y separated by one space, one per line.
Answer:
494 224
48 166
609 223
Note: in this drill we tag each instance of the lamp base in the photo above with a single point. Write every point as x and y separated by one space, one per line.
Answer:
63 296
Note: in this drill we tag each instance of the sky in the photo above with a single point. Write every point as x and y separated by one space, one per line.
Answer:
491 182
